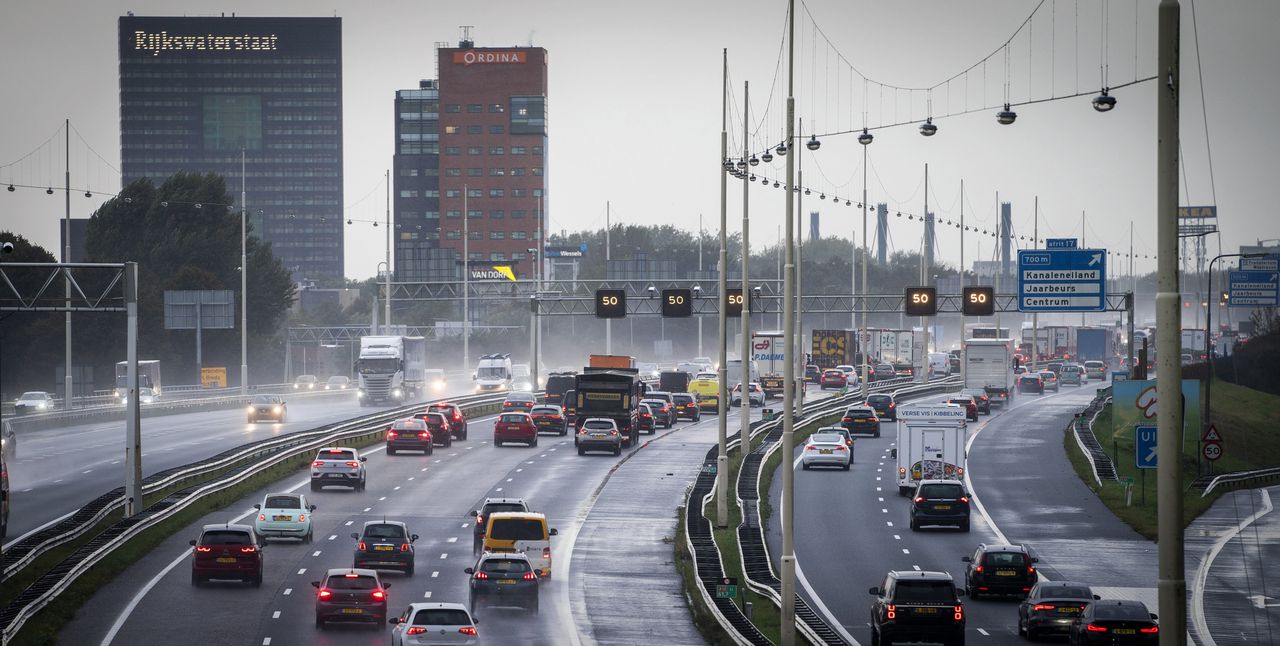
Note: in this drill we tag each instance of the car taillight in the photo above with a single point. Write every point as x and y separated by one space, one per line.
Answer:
353 464
1044 606
379 595
919 498
613 432
841 447
1031 569
203 549
317 463
964 499
481 575
325 593
959 613
893 405
404 547
391 434
415 630
302 518
1096 628
1150 631
582 431
977 568
891 611
546 552
362 546
847 419
424 435
479 520
248 549
262 516
530 576
468 630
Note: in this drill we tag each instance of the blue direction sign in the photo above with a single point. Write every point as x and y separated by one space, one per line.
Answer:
1061 243
1253 288
1145 446
1062 280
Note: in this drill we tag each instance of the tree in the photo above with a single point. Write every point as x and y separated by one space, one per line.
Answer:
31 343
185 234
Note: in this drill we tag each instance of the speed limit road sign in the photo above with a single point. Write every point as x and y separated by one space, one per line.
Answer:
1211 451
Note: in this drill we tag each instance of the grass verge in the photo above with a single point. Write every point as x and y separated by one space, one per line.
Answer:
703 619
1240 413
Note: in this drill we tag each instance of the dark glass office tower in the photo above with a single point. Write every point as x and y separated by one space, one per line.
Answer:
194 91
418 256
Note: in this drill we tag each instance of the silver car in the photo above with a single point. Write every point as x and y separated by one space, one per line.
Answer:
33 402
599 434
340 466
826 449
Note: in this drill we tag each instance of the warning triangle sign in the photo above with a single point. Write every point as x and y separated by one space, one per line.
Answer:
1212 435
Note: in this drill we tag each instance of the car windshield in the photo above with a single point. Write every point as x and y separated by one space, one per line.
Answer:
226 537
433 419
265 399
384 531
348 582
409 425
859 412
283 502
505 566
833 373
941 490
826 438
545 410
879 399
441 617
492 372
1006 559
1099 364
520 397
598 425
517 529
924 591
34 395
1131 613
656 403
338 380
512 419
683 399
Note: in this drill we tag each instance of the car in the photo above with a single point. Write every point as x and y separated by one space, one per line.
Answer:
571 406
850 374
755 395
884 406
504 579
645 420
337 382
439 429
861 419
338 466
917 606
903 370
413 434
885 371
549 418
34 401
1114 622
1000 569
522 378
954 362
1050 379
940 502
686 406
272 407
662 412
599 434
709 402
811 373
435 379
1019 370
434 623
1071 373
981 397
1030 382
519 400
226 551
145 396
384 545
663 395
351 594
843 433
1054 366
457 418
1051 606
305 382
1187 359
526 532
968 402
832 378
283 515
1095 370
491 506
515 427
826 450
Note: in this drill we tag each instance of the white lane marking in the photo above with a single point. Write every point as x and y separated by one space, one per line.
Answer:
366 509
453 455
26 490
87 471
529 462
411 477
266 641
520 469
275 615
453 539
543 455
984 633
879 470
896 537
550 449
348 523
916 568
302 570
396 488
444 556
498 489
509 479
437 460
115 462
427 595
384 497
906 551
287 591
424 468
889 523
464 525
882 509
880 498
1202 573
436 574
332 536
879 489
881 464
316 553
877 478
470 447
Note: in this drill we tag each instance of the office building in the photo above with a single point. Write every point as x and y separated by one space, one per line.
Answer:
196 91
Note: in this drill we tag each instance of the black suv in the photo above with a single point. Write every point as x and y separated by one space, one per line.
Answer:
1000 569
385 545
917 606
686 406
504 579
940 502
885 407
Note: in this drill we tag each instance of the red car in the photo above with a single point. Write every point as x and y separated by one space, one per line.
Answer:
226 552
453 413
832 379
515 427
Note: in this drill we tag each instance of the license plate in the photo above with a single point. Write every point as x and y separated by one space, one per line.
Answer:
826 451
543 422
506 581
353 611
282 518
598 436
926 611
226 559
383 548
942 507
333 475
1068 610
1126 631
1006 573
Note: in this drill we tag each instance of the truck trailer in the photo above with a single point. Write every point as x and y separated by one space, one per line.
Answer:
988 364
930 444
831 348
148 377
391 369
766 352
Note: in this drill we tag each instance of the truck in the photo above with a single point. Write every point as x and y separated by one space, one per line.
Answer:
494 372
930 444
1095 344
391 369
831 348
612 361
148 377
988 364
674 381
733 372
897 347
1193 343
613 393
767 352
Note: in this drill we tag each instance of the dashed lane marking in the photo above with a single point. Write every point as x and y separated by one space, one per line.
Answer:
266 641
984 633
287 591
453 539
896 537
275 615
889 523
348 523
498 489
520 469
366 510
302 570
384 497
916 568
316 553
396 488
436 574
510 479
332 536
427 595
883 510
444 556
906 551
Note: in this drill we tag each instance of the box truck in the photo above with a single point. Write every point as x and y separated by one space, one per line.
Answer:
148 377
1095 344
766 352
930 444
988 364
831 348
391 369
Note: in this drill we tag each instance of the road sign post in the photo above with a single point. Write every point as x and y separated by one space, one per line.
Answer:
1062 280
727 588
1144 452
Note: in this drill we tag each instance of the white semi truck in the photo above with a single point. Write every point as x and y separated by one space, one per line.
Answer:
148 377
391 369
930 444
988 364
766 352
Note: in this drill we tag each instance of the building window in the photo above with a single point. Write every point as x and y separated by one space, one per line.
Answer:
453 193
497 172
497 150
496 130
528 115
517 172
475 235
475 192
430 192
496 214
497 235
453 107
408 194
452 150
518 150
453 213
517 214
519 235
495 192
496 108
432 215
497 256
408 172
537 192
475 172
431 172
475 108
519 192
517 255
453 235
536 171
475 130
475 213
452 130
475 150
537 151
453 172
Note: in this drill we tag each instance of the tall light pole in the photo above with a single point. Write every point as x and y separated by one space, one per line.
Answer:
700 278
745 342
1172 584
924 270
466 282
244 283
68 383
386 325
865 140
787 629
722 405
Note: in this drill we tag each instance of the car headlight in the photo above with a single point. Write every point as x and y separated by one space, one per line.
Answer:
250 410
360 394
295 386
41 405
275 409
397 393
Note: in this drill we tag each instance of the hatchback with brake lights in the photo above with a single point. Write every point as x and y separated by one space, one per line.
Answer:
599 434
385 545
662 412
226 551
861 419
1051 606
832 378
519 400
411 434
981 397
441 431
686 406
339 466
1050 380
549 418
351 594
940 502
492 506
284 515
884 406
432 624
504 579
515 427
826 450
644 419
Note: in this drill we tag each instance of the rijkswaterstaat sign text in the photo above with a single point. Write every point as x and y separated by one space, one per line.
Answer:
162 41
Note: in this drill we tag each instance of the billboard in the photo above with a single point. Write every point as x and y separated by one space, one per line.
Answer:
1135 403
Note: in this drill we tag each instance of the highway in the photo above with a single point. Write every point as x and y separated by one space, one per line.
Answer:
597 503
57 470
852 527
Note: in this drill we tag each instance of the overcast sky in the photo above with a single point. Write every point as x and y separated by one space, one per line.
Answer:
635 109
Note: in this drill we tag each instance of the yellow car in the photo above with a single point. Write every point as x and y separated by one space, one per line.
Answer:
706 389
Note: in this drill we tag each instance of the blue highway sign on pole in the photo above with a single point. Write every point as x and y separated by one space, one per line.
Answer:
1145 446
1062 280
1253 288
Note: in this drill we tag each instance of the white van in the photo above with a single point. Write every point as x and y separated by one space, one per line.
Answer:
939 364
493 372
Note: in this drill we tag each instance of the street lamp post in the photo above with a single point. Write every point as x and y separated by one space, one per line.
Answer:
722 403
244 285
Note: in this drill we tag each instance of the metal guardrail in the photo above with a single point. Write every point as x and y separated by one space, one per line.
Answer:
1252 478
276 450
1099 461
